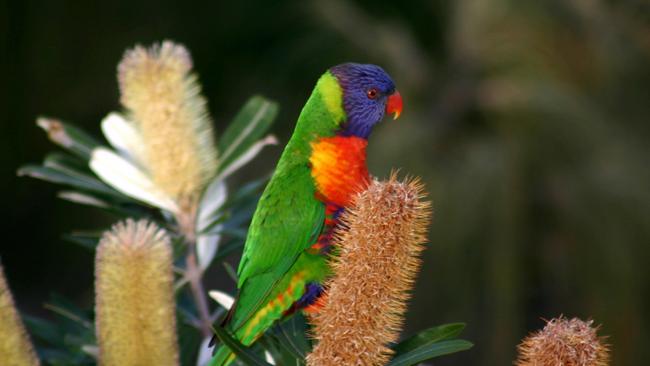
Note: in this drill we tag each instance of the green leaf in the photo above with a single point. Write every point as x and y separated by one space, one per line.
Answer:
227 248
230 271
189 341
431 335
430 351
77 180
292 333
70 137
243 352
249 125
86 240
43 330
68 161
212 226
281 353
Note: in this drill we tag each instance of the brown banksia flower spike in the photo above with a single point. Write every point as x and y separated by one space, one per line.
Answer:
564 342
15 347
163 99
135 310
379 244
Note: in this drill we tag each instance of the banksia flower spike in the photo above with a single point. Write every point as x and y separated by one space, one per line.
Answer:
15 346
135 311
165 141
378 261
566 342
164 101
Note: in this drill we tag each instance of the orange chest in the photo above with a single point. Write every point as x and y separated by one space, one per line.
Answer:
338 166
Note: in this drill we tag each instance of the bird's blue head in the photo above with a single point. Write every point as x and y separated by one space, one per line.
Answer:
368 93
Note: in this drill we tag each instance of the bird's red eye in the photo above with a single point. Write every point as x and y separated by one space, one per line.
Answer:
372 93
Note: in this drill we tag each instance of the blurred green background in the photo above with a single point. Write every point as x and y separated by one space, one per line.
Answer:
529 122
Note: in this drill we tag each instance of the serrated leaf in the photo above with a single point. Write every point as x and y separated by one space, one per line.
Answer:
430 351
243 352
431 335
249 125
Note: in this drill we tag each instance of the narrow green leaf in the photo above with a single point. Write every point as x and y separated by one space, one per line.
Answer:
69 314
70 137
430 351
72 162
189 341
211 227
232 273
56 175
293 332
83 199
431 335
282 354
227 248
243 352
43 330
249 191
249 125
86 240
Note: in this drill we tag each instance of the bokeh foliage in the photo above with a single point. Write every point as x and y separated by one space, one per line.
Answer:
528 121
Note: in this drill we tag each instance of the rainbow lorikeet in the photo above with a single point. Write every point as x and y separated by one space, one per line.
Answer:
324 164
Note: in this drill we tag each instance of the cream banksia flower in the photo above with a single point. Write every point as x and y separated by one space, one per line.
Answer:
15 346
165 144
565 342
135 310
377 264
164 101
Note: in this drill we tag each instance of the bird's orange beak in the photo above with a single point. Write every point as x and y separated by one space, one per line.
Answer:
394 104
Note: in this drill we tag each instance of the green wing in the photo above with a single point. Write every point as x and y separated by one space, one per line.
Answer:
288 218
287 221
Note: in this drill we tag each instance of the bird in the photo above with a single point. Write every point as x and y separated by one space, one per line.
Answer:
285 258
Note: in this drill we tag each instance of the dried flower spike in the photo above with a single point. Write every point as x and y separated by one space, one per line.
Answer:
564 342
135 310
372 276
164 100
15 346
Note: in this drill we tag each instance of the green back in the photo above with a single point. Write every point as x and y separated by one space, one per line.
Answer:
288 218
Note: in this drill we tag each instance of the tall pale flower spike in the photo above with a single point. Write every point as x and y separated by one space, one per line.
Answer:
165 146
15 346
163 99
568 342
135 310
377 264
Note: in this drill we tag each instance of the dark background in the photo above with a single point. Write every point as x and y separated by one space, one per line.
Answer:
528 121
